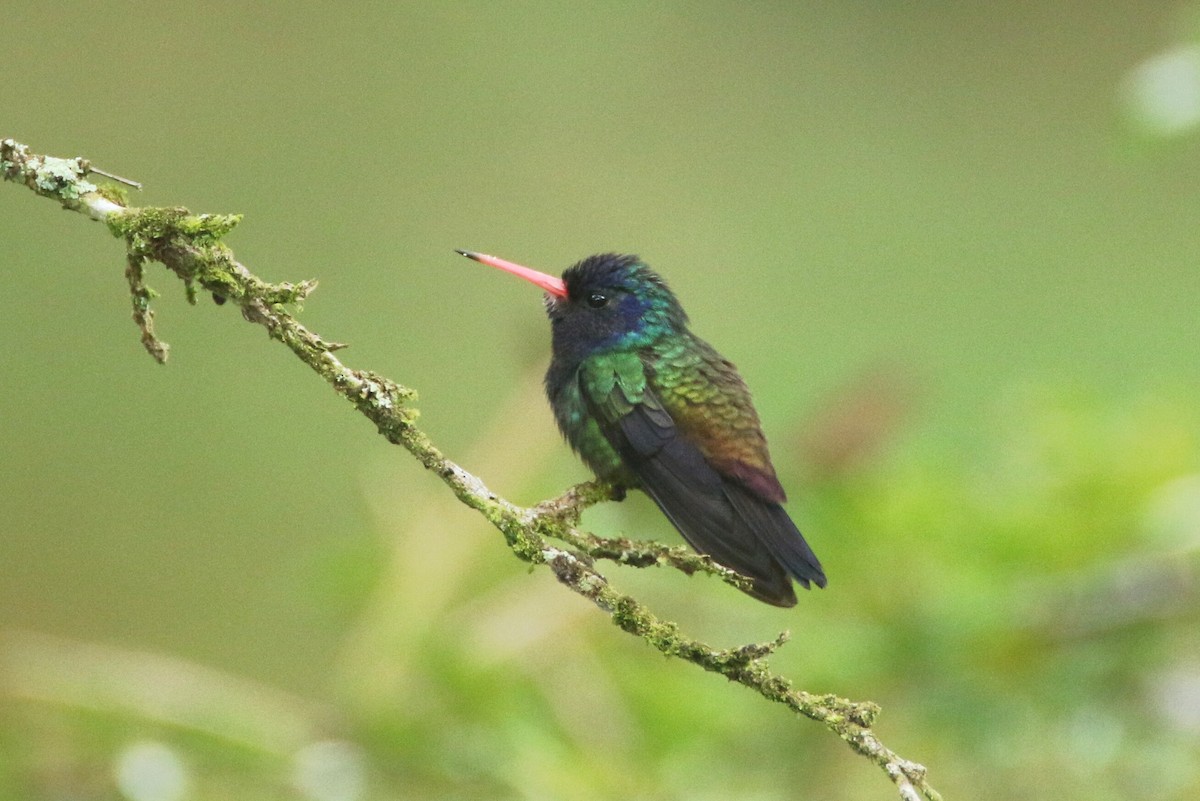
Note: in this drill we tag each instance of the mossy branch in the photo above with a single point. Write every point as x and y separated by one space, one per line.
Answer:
190 246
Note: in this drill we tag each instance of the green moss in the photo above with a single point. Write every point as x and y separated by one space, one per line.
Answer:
114 193
148 229
287 292
208 227
213 268
189 244
115 222
144 230
632 617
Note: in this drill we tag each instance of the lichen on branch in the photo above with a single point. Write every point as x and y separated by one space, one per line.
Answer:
190 245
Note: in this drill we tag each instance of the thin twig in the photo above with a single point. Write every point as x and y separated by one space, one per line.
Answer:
110 176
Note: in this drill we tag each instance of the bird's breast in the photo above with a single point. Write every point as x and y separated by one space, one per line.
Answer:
580 428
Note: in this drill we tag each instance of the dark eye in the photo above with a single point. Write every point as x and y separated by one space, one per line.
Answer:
597 300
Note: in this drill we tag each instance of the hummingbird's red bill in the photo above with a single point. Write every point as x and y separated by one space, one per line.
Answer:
554 286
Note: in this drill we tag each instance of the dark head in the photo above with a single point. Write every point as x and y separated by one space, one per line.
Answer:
605 302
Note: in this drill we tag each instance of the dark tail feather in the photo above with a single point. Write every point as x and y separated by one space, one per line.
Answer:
718 516
712 527
699 502
775 529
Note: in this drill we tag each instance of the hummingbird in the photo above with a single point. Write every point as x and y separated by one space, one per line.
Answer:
649 405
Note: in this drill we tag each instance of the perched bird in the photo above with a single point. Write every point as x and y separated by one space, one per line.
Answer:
649 405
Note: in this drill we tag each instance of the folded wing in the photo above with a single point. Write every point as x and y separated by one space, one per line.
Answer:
718 515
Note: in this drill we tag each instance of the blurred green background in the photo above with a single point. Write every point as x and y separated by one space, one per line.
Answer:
951 246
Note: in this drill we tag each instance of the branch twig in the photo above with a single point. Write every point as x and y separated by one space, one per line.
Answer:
189 245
